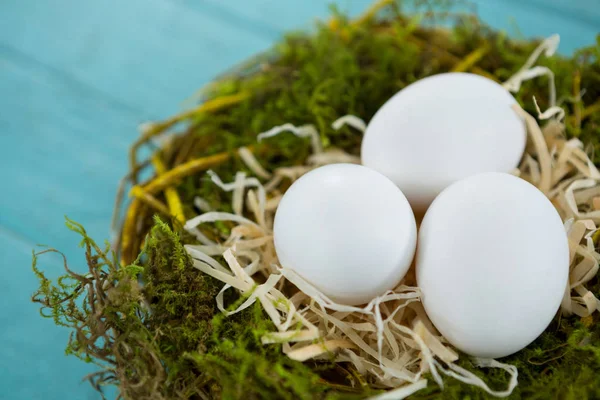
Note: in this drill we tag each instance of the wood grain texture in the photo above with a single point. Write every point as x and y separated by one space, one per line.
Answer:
577 21
75 81
277 16
33 363
148 54
76 78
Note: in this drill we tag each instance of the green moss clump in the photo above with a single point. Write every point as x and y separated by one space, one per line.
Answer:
563 363
154 330
152 326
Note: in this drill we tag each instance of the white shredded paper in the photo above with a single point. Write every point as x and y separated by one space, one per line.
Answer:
350 120
390 341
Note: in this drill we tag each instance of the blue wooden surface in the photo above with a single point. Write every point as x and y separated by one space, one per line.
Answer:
76 78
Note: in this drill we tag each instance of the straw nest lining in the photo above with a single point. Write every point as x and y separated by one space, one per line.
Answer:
390 341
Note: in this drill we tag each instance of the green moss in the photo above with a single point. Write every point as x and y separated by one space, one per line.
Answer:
562 363
153 327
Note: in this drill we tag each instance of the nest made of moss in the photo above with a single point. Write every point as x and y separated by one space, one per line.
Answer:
153 312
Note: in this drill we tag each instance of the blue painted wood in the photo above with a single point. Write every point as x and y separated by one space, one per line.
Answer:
69 143
275 17
577 21
148 54
76 78
75 81
33 364
61 152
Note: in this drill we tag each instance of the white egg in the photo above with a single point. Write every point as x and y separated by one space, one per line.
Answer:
441 129
492 263
346 229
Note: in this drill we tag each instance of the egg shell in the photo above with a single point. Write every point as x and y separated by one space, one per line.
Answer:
346 229
441 129
492 264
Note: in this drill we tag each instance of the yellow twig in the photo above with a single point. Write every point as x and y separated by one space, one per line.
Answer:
143 195
175 175
150 200
173 199
140 197
577 104
586 112
594 108
596 237
587 321
439 50
121 194
154 128
208 106
471 59
372 11
466 64
129 230
343 31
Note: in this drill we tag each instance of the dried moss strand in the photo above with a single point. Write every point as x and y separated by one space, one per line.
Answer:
585 113
455 59
192 167
590 110
150 200
209 106
128 251
150 130
116 215
469 61
186 149
169 178
372 11
577 98
173 199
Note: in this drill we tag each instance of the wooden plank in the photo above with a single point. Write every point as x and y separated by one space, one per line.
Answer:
278 16
32 358
67 148
582 11
76 80
576 21
150 54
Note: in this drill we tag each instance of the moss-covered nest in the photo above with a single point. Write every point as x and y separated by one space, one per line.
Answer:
150 321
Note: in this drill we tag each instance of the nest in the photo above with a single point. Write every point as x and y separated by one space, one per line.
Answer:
191 301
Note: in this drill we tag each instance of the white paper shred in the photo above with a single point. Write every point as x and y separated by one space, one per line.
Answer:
550 112
252 163
301 131
402 392
390 341
350 120
528 71
202 204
